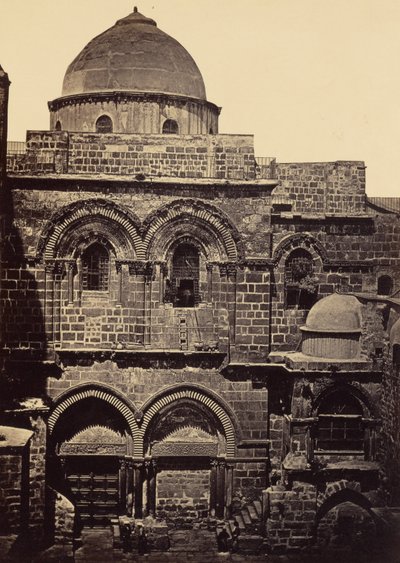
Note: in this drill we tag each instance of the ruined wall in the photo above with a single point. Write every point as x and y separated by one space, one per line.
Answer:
11 481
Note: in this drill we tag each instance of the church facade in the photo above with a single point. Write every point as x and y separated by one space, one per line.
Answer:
190 331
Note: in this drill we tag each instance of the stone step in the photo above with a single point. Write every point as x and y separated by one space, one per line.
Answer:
240 521
246 518
258 507
253 544
252 513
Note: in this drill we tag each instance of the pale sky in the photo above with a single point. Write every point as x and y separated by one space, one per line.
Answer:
313 80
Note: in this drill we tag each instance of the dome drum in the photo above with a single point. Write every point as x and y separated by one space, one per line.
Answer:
134 113
336 346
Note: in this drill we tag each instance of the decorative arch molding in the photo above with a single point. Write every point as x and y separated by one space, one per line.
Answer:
87 211
305 241
104 393
342 491
354 389
198 394
196 211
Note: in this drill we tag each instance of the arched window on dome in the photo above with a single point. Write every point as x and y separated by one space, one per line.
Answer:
170 127
340 424
385 285
58 126
104 124
300 285
183 287
95 268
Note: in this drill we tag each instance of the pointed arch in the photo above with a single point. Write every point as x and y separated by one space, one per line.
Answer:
110 219
103 393
202 395
305 241
342 491
367 404
188 215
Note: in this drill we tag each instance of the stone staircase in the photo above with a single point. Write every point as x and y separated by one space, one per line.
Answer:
250 521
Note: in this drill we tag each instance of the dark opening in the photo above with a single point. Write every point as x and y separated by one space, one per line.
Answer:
385 285
340 422
104 124
58 126
301 287
95 268
170 127
185 276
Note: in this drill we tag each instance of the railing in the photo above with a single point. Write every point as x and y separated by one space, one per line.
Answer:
16 147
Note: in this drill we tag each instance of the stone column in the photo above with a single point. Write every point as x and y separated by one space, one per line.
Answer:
118 267
129 487
228 491
213 487
49 302
138 486
220 504
122 485
71 270
151 467
209 282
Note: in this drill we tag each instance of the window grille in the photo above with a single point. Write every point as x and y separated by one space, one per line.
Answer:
299 285
340 425
104 124
170 127
385 285
95 268
185 276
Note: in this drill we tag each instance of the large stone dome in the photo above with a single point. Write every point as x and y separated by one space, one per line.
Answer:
134 56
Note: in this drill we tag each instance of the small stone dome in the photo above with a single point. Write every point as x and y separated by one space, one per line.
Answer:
395 333
134 56
333 328
335 313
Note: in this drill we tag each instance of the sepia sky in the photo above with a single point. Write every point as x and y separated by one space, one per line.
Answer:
313 80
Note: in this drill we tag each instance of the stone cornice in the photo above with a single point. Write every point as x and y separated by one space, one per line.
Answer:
124 96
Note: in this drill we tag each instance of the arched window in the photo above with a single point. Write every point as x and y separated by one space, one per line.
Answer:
340 422
95 268
170 127
300 286
58 126
104 124
385 285
211 131
184 284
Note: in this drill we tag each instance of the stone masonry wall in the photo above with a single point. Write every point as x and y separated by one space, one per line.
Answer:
181 156
290 516
356 254
10 492
183 495
324 187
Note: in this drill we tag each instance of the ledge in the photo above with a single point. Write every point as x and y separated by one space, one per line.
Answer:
103 181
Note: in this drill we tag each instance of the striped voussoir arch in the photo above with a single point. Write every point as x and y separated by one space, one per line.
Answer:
104 396
200 397
85 210
195 212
